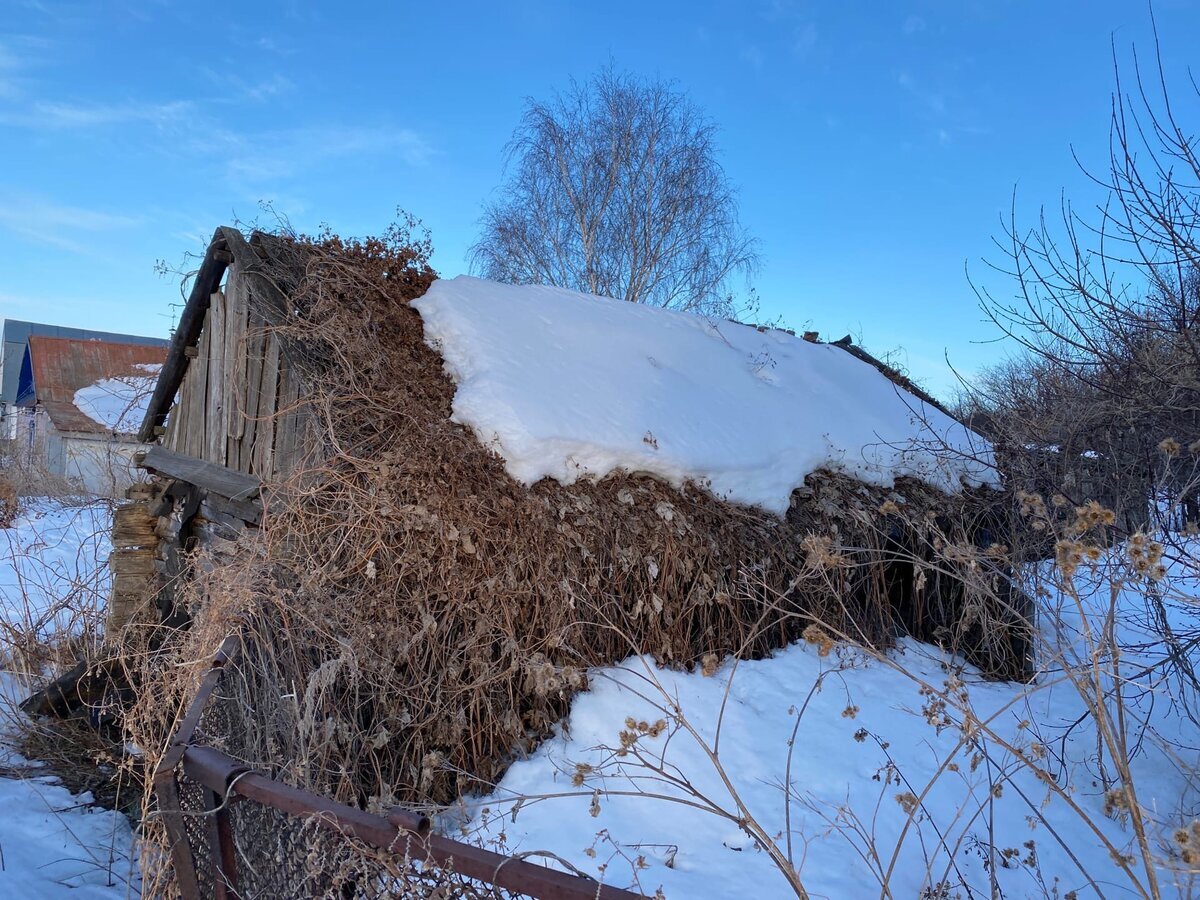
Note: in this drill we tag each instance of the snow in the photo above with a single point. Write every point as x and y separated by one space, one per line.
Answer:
566 386
52 842
866 741
119 403
52 566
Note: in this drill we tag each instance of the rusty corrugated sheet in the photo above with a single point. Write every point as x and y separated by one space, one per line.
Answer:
62 366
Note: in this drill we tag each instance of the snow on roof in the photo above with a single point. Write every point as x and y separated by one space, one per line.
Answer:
119 403
567 385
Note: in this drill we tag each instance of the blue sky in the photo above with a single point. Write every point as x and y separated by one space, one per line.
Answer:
876 145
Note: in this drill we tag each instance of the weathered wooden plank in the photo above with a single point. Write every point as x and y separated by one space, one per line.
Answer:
278 443
214 443
192 416
131 514
129 608
142 490
135 546
235 523
271 301
131 562
218 539
268 406
285 433
243 512
255 350
211 477
237 310
176 428
180 426
135 587
82 688
128 540
191 323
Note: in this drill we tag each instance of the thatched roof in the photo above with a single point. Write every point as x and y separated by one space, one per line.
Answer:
276 266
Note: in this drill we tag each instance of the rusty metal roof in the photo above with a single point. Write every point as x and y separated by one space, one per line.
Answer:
15 339
58 367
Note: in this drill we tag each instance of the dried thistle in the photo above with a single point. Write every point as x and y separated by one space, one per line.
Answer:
817 635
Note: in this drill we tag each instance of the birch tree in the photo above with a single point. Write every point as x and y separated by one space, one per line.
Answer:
614 187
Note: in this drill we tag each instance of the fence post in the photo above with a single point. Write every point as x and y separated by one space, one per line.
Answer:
220 840
166 788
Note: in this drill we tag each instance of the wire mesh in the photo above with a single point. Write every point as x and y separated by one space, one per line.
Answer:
281 855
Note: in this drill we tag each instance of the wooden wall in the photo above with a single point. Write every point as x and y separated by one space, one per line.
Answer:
238 403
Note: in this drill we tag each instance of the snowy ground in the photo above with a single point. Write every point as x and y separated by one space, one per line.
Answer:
52 842
52 568
883 786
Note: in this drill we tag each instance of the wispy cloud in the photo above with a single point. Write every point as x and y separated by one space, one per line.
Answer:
198 128
948 115
10 79
753 54
798 22
61 115
275 45
804 39
69 228
934 101
278 155
239 90
18 55
18 303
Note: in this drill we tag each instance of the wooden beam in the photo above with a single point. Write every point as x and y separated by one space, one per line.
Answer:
215 479
241 512
80 690
187 332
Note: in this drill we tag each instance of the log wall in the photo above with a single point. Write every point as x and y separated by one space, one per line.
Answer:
136 576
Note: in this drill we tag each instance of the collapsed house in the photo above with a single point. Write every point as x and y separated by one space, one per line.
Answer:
426 508
78 403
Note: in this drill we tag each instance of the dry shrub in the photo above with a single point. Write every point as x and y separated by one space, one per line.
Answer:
10 503
26 474
414 618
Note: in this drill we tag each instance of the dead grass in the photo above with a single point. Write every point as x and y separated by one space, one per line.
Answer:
26 477
10 504
85 759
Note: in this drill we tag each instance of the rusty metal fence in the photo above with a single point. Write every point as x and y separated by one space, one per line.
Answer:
237 834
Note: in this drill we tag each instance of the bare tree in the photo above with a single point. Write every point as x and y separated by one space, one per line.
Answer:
1107 308
615 189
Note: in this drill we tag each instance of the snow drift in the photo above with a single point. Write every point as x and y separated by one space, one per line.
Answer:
567 385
